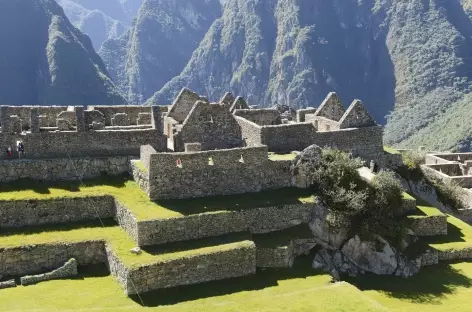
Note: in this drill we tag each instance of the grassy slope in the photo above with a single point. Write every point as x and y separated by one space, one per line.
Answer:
129 193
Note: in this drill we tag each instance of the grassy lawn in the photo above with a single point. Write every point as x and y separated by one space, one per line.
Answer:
128 192
121 243
274 156
300 289
391 150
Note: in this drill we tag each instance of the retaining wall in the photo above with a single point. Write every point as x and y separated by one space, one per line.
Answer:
35 259
56 169
226 263
257 220
22 213
429 226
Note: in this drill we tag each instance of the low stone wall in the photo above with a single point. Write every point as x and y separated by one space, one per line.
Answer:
69 269
283 256
62 168
36 259
118 269
22 213
257 220
126 219
8 284
226 263
140 175
455 255
429 226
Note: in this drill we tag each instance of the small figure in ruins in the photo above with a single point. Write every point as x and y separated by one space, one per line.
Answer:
21 149
9 151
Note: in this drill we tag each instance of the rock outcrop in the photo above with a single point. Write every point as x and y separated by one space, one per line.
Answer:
69 269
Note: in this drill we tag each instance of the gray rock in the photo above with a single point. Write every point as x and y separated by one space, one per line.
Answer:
136 251
8 284
365 255
69 269
326 235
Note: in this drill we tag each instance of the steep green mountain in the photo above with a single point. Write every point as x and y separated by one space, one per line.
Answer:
410 60
47 61
291 52
101 19
158 45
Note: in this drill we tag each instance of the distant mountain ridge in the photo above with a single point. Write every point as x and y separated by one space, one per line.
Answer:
158 45
45 60
101 19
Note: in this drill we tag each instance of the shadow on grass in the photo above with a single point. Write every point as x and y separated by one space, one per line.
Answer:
426 287
261 280
43 187
286 196
59 227
454 235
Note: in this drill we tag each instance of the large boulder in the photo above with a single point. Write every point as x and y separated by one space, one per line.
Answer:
303 164
376 256
325 234
335 263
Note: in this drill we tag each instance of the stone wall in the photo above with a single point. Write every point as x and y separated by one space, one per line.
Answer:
69 269
262 117
132 112
211 173
282 256
429 225
83 144
22 213
62 168
49 114
221 264
322 123
127 220
35 259
251 132
212 125
301 113
256 220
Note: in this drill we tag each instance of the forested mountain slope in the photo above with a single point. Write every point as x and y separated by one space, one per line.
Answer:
47 61
412 55
158 45
101 19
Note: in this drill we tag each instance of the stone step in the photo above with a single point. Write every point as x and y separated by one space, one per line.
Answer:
187 263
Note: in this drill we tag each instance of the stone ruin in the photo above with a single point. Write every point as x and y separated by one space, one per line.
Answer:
193 149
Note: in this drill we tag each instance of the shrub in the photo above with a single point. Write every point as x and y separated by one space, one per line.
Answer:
448 193
365 209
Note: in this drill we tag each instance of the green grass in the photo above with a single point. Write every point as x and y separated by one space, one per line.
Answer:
128 192
444 287
120 242
298 289
274 156
140 166
391 150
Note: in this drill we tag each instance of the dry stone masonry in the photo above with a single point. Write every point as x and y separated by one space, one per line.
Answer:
193 149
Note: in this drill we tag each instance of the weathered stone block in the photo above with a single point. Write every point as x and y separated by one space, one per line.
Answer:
98 125
144 119
34 120
121 120
8 284
193 147
63 125
92 116
15 124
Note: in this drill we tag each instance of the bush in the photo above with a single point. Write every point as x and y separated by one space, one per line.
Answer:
448 193
352 203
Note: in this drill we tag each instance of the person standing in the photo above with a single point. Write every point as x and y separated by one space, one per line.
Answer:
21 149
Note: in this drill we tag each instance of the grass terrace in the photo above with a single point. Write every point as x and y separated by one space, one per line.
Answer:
128 192
275 157
120 242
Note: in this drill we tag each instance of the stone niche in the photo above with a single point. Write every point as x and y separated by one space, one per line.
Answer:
144 119
193 147
120 120
94 117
